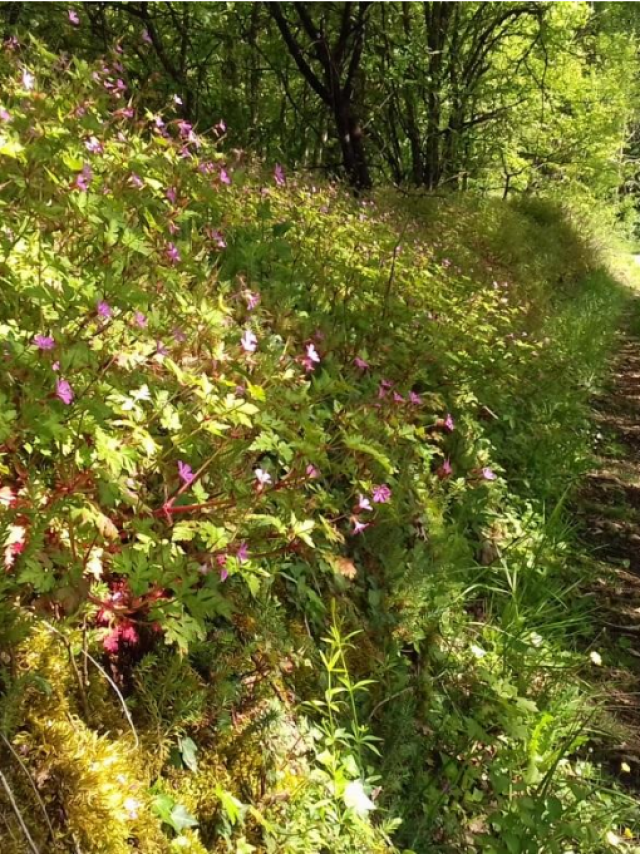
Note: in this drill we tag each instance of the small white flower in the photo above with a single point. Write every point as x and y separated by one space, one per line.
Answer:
131 805
357 799
596 658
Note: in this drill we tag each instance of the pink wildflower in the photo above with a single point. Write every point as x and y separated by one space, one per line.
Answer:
364 503
312 471
445 470
488 474
184 127
129 634
172 195
243 553
449 423
311 359
44 342
136 181
93 145
252 299
140 319
361 363
83 179
177 100
415 398
279 176
64 392
381 494
397 398
146 37
263 477
172 253
224 177
217 237
249 341
111 642
359 527
5 115
185 472
104 310
28 80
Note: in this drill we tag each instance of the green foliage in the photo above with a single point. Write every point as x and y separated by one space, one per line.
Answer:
181 500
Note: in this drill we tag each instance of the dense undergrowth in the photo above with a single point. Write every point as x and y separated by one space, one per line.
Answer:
282 480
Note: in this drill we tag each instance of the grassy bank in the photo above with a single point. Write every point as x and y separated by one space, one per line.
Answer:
244 417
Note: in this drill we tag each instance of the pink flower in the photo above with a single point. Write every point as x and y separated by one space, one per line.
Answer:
179 335
5 115
185 127
224 177
263 477
384 387
216 236
397 398
415 399
129 634
28 80
177 100
445 470
252 299
249 341
488 474
364 503
359 527
311 359
221 560
111 642
243 553
361 363
312 471
278 174
449 423
221 127
172 253
146 37
161 350
104 310
381 494
64 392
55 366
83 179
44 342
136 181
140 319
171 195
93 145
185 472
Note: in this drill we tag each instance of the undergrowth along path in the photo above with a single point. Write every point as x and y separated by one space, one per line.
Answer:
609 510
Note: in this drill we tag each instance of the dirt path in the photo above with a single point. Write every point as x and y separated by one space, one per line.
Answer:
609 514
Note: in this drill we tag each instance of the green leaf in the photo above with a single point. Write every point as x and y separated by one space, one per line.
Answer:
188 750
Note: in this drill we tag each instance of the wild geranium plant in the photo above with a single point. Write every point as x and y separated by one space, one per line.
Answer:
167 433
